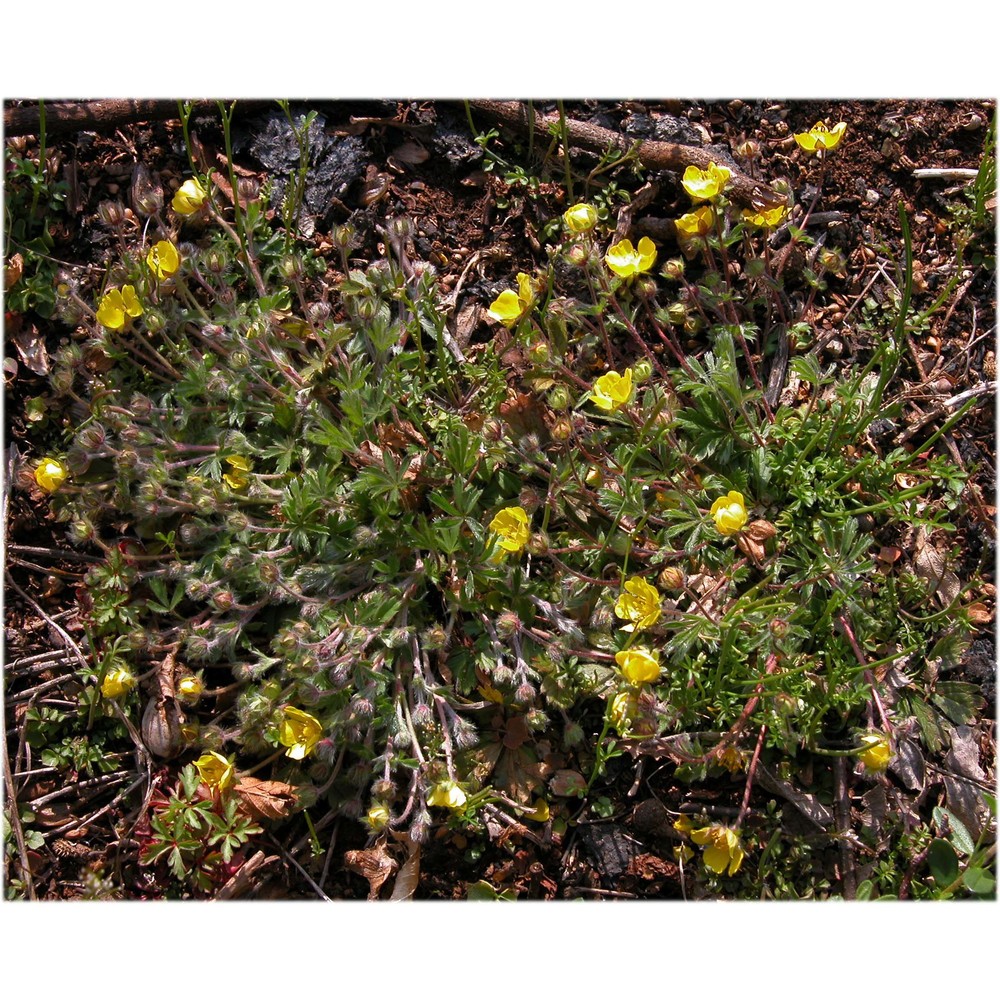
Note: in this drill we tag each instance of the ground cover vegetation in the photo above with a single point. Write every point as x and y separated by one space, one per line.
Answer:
630 574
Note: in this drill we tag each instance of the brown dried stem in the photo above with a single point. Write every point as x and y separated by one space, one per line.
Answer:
654 155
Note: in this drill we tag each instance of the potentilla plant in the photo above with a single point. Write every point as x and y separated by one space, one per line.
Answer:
399 570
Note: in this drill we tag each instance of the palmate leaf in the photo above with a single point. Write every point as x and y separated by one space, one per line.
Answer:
960 701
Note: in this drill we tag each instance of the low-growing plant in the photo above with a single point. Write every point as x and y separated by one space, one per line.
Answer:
398 560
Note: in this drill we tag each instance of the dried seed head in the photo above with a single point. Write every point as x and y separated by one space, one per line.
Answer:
464 734
111 213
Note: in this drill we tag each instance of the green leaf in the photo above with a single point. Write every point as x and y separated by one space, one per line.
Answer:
959 700
980 882
943 862
483 891
865 890
932 732
960 837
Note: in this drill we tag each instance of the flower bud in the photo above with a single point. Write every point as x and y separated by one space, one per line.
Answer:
423 717
464 735
140 405
344 235
91 437
671 578
190 689
378 816
580 218
577 255
238 521
642 370
384 790
645 287
525 694
401 227
367 309
539 352
118 681
677 313
748 150
189 197
147 193
215 262
673 269
81 530
832 261
50 474
248 188
111 213
562 429
61 381
778 628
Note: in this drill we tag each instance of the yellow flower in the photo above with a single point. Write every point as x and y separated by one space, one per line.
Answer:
683 825
820 138
640 604
447 794
511 524
189 689
722 847
732 760
628 261
215 770
683 853
622 711
729 513
509 306
190 731
876 754
299 731
117 681
117 306
580 218
50 474
704 185
163 259
189 197
638 666
378 817
696 223
539 811
237 478
766 218
612 391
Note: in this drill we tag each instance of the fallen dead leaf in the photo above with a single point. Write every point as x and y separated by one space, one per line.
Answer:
375 864
409 874
931 565
30 346
978 613
266 799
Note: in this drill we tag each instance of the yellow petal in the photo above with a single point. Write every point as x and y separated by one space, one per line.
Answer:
506 308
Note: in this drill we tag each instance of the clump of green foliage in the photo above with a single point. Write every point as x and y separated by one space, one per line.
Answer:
293 476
